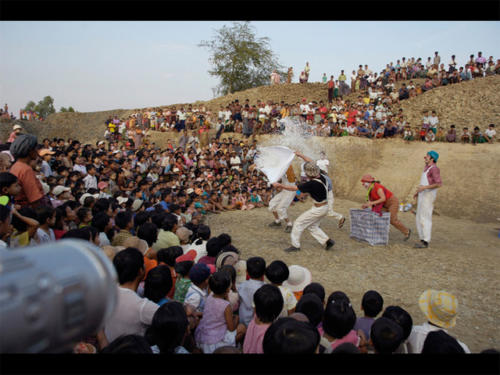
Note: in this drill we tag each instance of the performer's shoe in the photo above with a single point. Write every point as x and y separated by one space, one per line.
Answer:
407 237
329 244
292 249
274 224
341 222
288 229
421 245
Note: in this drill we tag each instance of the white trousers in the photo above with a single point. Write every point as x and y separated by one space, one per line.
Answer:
281 202
310 220
331 212
425 205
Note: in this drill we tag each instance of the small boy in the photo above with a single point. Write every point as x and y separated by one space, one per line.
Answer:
385 336
198 291
371 304
430 136
277 272
490 133
465 135
408 134
268 302
422 133
84 215
9 188
25 233
451 136
476 136
256 267
47 218
182 268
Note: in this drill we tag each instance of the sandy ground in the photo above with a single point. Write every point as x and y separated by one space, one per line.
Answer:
462 259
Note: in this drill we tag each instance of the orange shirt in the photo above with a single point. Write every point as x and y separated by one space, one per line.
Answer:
149 264
31 187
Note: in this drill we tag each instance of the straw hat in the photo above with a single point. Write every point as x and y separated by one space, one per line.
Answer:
137 205
311 169
227 257
439 307
299 278
136 242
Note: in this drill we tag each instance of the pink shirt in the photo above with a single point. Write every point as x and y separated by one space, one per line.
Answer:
254 338
351 337
434 175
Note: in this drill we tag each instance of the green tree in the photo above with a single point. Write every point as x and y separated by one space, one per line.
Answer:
30 106
69 109
239 59
44 107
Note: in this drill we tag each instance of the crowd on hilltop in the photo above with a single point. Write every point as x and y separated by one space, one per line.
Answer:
374 113
182 289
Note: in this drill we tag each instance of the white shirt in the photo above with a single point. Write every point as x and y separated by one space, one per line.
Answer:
182 115
80 168
103 239
433 121
44 237
90 182
419 334
201 250
132 315
490 132
194 299
323 164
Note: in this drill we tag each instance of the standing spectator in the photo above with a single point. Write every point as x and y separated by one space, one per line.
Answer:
437 59
430 181
289 75
331 86
324 79
307 70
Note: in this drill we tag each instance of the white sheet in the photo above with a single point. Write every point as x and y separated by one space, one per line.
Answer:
274 161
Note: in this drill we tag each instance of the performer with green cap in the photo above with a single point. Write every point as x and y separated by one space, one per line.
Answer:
426 192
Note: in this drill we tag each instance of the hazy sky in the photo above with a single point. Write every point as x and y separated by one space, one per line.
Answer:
96 66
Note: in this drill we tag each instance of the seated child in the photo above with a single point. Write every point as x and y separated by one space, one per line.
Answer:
9 188
440 134
298 279
465 138
403 318
255 269
408 134
218 326
47 219
477 136
430 136
24 234
182 268
451 136
311 306
385 336
233 296
168 258
268 302
490 133
338 324
371 304
197 291
157 284
290 336
277 272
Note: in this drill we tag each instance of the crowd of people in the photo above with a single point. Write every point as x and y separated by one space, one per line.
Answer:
181 288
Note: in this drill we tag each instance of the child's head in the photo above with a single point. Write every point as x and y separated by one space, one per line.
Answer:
9 184
199 275
129 265
183 268
256 267
317 289
158 283
440 342
224 239
268 302
213 247
46 215
5 226
401 317
219 283
231 271
372 303
312 307
21 226
277 272
386 335
84 215
148 232
290 336
169 255
337 296
168 327
339 318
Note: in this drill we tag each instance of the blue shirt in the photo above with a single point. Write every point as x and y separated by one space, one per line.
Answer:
246 290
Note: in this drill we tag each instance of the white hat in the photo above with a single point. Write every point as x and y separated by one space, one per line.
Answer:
189 191
241 271
101 143
85 195
59 189
46 188
137 204
17 126
122 200
299 278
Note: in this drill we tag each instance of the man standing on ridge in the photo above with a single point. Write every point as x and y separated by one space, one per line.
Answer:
430 181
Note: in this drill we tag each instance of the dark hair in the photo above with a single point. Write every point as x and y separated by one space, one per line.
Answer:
122 219
213 247
199 273
339 318
92 232
337 296
128 263
439 342
268 302
4 213
20 225
79 233
157 218
311 306
6 180
100 220
169 255
315 288
400 316
202 233
158 283
230 270
100 205
168 327
290 336
184 267
141 217
169 221
148 232
44 213
224 239
277 272
386 335
128 344
256 267
219 282
82 212
372 303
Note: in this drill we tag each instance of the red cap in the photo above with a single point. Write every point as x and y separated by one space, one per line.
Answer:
367 178
190 255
